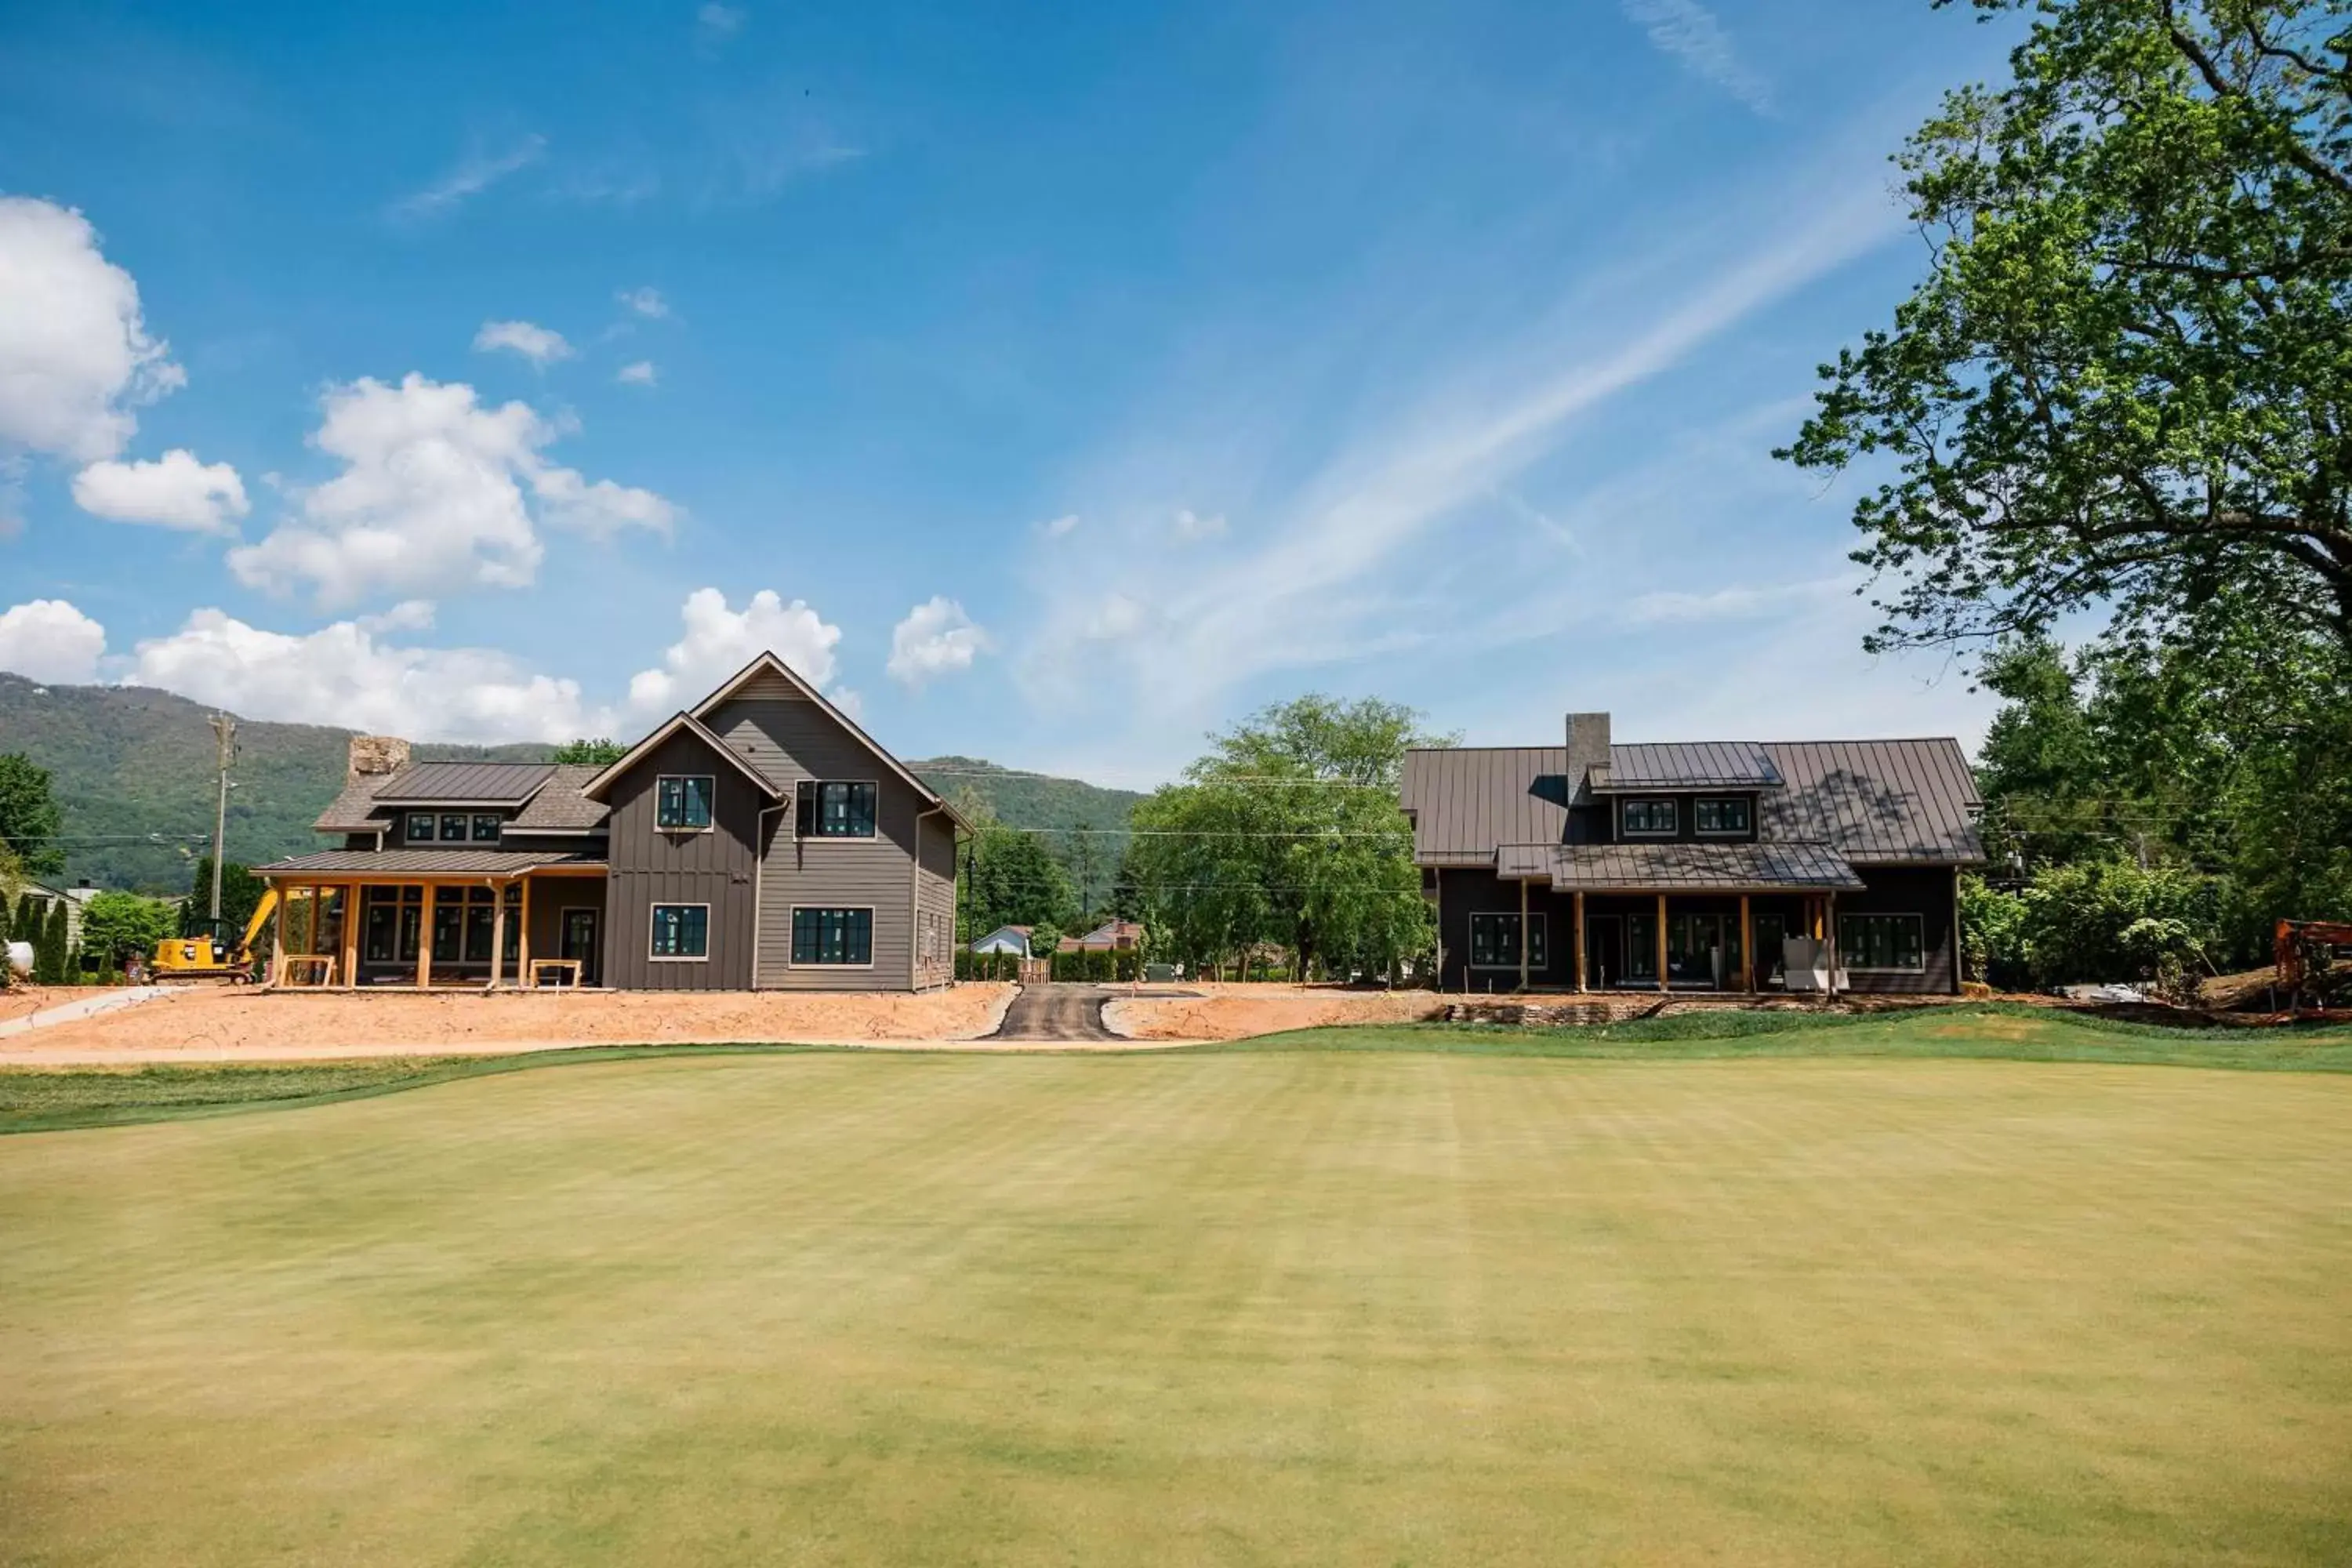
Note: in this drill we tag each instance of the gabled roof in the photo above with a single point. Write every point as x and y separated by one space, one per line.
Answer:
767 663
687 723
555 806
1465 800
560 807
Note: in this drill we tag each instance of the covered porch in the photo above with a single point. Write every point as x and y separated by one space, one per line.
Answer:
1734 920
443 927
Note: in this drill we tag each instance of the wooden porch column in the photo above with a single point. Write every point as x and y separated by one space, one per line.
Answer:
1525 942
1662 941
1829 924
498 932
350 935
1747 947
1580 941
522 951
424 938
277 928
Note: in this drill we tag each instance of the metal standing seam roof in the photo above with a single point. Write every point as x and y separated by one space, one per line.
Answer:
1467 800
420 863
1695 764
1652 868
501 783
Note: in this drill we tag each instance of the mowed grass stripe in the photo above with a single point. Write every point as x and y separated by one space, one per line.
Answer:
1282 1307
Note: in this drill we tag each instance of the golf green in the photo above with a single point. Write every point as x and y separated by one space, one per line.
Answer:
1386 1308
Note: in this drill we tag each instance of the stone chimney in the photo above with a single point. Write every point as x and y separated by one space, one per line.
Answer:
1588 748
374 756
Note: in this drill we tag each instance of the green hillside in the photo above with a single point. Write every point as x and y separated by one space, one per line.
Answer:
132 761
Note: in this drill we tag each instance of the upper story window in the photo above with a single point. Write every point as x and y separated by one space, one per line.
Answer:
838 810
1648 818
485 826
1728 814
682 802
452 827
420 827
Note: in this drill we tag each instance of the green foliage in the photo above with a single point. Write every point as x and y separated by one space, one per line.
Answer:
114 926
594 753
1992 935
51 954
2122 383
241 894
1288 832
1097 968
1013 879
2098 921
29 819
970 965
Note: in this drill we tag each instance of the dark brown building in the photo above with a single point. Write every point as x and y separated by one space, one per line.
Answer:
760 840
1713 866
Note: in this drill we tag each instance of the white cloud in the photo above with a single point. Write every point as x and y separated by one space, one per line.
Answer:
715 22
720 641
640 374
1740 603
1059 526
646 303
432 498
174 491
1188 526
475 173
348 674
849 702
1118 618
935 639
1691 34
75 356
50 640
541 345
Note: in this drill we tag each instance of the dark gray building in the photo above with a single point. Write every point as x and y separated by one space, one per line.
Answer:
1714 866
759 840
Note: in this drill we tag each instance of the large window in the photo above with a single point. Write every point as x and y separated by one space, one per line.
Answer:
833 936
1726 815
452 827
486 827
682 802
681 930
391 920
1897 942
420 827
1648 818
1495 940
839 810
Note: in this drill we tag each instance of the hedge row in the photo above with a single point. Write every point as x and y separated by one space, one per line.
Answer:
1076 967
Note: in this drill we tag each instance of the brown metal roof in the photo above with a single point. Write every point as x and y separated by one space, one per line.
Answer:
1878 801
425 863
556 805
1695 764
1873 801
491 783
1467 800
1668 867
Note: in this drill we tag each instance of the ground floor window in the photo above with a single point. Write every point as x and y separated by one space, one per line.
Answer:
1495 940
1883 942
833 936
681 930
390 922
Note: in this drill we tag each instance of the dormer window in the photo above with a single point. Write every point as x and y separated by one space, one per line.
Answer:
485 826
1648 818
1729 816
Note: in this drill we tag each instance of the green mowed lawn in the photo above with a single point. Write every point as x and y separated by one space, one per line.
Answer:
1277 1306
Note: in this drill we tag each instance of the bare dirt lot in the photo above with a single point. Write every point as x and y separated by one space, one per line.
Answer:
1236 1012
214 1021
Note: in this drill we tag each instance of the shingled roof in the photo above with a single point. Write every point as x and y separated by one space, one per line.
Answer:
549 793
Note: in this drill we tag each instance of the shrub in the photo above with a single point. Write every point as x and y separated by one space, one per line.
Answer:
1992 935
2112 920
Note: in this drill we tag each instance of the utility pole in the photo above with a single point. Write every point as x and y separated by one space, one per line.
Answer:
225 737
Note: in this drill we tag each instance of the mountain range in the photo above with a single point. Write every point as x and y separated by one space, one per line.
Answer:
133 770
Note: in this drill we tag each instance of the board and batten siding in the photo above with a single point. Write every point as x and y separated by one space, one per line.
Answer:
789 738
651 866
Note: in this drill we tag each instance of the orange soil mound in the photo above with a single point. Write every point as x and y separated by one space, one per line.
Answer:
328 1023
1236 1012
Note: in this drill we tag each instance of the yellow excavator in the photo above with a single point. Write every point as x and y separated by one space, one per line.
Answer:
209 955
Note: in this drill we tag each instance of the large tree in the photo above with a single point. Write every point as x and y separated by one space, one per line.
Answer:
29 817
2125 381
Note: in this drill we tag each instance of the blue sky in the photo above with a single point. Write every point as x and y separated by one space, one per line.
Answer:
1052 383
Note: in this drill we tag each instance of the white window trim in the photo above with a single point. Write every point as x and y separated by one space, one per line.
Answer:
1670 804
794 918
876 785
710 826
1720 832
653 957
1918 968
1533 915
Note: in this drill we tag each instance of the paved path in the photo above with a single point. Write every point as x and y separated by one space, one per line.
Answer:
1057 1011
89 1006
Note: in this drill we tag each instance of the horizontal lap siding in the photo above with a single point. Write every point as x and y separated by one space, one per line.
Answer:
790 739
938 887
1922 890
651 866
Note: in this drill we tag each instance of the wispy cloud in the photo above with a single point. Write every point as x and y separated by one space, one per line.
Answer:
714 23
640 372
1740 602
476 172
1690 32
541 345
647 302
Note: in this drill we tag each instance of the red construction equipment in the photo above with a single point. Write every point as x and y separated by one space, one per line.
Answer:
2307 952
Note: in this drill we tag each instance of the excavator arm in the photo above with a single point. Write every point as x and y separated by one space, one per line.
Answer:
261 913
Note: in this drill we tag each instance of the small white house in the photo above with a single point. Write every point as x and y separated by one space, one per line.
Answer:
1013 940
